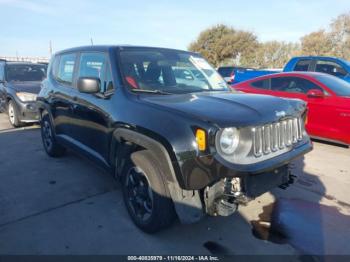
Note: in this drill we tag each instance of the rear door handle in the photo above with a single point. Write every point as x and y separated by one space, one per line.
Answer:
73 107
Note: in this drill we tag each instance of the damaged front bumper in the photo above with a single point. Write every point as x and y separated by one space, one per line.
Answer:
223 197
248 182
216 187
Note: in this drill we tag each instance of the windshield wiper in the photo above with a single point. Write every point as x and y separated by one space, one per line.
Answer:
158 92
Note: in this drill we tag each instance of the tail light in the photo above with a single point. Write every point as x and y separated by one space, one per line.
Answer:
232 76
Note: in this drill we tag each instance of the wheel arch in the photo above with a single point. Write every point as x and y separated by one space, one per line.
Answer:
42 107
188 203
126 141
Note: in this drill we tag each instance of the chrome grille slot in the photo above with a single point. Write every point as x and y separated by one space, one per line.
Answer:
266 139
289 132
276 136
257 141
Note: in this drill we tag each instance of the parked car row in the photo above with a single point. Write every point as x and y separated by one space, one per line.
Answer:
163 122
328 65
167 125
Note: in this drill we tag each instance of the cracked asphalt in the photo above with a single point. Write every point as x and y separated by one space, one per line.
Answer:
70 206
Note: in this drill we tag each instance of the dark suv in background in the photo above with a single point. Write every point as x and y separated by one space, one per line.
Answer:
19 85
185 148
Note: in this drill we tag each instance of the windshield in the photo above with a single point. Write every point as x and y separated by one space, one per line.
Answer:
337 85
168 71
25 73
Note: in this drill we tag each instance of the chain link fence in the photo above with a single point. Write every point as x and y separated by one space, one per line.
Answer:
25 59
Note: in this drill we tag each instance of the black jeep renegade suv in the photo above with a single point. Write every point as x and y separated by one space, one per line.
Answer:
167 125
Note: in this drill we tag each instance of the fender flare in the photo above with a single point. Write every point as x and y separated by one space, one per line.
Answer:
188 204
160 152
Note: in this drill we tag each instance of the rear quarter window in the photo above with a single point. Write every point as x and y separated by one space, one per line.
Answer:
1 72
303 65
66 68
54 66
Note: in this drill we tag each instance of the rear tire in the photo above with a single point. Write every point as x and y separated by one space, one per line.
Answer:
51 146
146 195
13 114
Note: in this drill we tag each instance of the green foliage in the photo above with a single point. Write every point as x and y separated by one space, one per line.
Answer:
224 45
340 36
334 42
316 43
275 54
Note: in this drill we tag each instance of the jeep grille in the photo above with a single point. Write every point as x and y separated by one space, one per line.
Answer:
277 136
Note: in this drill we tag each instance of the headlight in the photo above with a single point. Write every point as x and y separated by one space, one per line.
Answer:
26 97
229 140
252 144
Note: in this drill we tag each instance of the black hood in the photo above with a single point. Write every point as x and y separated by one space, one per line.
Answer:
29 87
230 109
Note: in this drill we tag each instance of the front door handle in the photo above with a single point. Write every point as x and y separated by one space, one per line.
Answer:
345 114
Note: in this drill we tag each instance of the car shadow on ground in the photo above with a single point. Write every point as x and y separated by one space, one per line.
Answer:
69 206
310 227
330 143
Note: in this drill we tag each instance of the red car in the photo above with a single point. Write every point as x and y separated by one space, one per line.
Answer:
328 99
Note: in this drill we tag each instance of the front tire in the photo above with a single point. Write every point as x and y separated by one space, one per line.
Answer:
13 114
51 146
146 195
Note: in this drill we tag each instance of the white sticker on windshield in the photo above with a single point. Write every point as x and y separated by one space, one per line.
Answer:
200 62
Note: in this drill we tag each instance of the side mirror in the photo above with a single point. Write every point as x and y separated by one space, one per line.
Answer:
315 93
89 85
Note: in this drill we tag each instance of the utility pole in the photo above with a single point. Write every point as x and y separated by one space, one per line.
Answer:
50 48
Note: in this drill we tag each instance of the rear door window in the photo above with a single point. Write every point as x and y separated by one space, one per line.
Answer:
66 68
329 67
303 65
293 85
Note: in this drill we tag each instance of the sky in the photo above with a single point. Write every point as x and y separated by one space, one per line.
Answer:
28 26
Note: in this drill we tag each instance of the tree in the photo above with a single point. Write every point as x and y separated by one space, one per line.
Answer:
224 45
335 42
316 43
221 44
274 54
340 36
